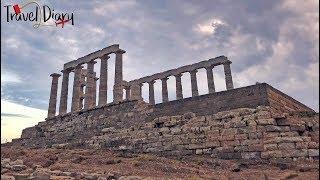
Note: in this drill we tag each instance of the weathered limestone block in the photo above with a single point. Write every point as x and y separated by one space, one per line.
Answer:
251 155
230 143
241 136
271 154
212 144
270 147
295 152
249 148
313 152
269 121
282 146
283 140
108 130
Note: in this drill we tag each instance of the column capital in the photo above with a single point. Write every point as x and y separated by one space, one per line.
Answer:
127 87
164 79
105 57
55 75
209 67
178 75
193 71
79 66
92 62
227 62
151 82
120 51
66 70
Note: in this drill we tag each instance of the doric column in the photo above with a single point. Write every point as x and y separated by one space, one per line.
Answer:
83 84
76 89
53 95
179 94
164 90
194 84
118 79
64 91
151 92
103 87
95 90
127 88
88 101
228 76
210 79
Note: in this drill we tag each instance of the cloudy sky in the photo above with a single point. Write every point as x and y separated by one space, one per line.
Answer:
268 41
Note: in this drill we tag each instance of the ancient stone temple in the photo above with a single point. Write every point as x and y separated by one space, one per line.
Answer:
87 100
253 122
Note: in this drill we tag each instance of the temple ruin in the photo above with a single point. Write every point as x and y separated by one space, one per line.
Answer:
85 81
256 122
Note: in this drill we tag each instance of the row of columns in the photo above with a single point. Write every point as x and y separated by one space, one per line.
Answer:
136 92
89 96
132 92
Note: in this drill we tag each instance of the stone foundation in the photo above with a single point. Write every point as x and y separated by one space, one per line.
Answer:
259 123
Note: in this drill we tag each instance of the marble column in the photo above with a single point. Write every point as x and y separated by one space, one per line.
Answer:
53 95
127 88
118 78
64 91
76 89
194 84
95 90
103 87
211 86
151 92
88 102
228 76
165 97
179 94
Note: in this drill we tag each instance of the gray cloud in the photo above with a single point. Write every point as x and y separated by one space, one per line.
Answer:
268 41
14 115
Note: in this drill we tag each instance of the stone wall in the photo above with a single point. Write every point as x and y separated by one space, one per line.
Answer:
254 122
250 96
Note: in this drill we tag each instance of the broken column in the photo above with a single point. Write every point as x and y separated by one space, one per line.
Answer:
118 78
64 91
103 87
228 76
53 95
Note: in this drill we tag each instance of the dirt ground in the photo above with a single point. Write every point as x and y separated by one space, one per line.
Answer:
150 166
